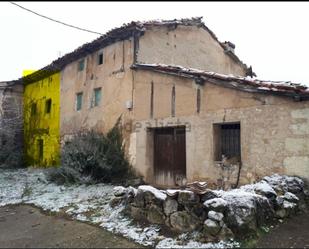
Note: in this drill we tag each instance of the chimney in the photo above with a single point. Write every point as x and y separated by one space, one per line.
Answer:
229 46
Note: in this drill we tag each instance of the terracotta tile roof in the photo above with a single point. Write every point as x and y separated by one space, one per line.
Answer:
118 34
284 88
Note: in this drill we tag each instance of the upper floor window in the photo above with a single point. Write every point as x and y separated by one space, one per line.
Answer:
48 105
96 98
79 101
81 65
100 58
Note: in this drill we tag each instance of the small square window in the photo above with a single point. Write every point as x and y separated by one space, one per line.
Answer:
48 105
227 141
96 97
81 65
79 101
33 109
100 58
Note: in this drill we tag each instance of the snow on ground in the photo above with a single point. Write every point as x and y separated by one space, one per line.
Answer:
88 203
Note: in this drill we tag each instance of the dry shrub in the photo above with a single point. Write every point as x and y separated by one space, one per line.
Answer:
93 157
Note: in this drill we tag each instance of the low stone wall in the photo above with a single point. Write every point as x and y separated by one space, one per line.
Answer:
216 214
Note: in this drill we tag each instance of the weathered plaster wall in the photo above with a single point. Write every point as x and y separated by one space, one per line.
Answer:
42 125
115 79
297 146
274 130
188 46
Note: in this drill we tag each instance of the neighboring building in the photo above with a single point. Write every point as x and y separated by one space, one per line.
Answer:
11 118
42 121
179 121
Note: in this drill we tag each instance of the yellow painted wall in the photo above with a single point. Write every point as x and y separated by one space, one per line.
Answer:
42 125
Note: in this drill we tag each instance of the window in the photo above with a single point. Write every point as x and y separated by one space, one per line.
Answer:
96 97
33 109
227 141
100 58
81 65
79 101
48 105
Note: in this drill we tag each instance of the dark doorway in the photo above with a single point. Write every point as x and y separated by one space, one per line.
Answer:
40 149
169 155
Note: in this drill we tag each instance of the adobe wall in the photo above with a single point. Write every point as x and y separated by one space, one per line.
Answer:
274 130
188 46
114 76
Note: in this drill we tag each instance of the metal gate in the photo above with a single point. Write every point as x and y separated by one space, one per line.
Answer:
169 155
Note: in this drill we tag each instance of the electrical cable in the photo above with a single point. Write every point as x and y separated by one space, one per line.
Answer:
51 19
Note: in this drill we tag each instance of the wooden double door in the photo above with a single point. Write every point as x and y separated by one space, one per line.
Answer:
169 155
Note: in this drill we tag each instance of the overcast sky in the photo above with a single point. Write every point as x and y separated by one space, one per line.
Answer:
272 37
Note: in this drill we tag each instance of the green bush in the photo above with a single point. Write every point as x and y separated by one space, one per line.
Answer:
92 157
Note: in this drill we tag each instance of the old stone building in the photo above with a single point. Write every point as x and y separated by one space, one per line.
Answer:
182 122
11 119
261 126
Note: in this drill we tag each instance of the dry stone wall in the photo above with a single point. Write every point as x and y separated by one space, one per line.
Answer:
216 214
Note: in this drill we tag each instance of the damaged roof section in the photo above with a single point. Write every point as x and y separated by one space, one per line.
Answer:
6 84
297 91
124 32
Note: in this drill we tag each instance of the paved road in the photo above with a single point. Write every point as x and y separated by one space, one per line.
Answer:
293 233
26 226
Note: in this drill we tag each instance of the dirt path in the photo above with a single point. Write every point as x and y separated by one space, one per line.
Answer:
293 233
26 226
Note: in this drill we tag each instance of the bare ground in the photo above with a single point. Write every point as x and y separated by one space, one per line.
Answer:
23 226
292 233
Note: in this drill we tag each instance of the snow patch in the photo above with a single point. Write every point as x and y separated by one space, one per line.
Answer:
156 192
215 202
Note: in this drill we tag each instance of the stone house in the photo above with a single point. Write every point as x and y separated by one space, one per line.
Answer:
11 119
262 126
182 122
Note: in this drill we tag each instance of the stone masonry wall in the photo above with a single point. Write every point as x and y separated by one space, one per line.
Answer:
274 130
11 124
